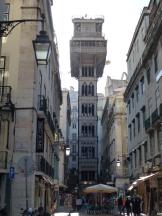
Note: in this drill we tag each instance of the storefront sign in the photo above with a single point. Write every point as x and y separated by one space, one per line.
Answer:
40 136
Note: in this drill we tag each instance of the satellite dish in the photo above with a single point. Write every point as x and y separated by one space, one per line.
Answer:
25 166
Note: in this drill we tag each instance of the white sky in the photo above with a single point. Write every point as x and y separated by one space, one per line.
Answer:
121 17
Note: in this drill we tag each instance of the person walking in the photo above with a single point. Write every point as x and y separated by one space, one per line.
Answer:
120 205
128 206
136 205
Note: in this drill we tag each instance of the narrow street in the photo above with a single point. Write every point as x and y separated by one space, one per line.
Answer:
80 108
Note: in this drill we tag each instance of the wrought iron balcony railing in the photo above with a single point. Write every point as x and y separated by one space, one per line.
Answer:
42 165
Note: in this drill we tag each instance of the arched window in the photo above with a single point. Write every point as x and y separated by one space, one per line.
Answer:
83 109
93 130
83 130
83 90
92 71
86 111
90 130
93 152
86 130
92 109
92 90
86 90
85 71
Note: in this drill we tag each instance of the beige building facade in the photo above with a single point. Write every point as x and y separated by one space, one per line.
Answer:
143 97
114 161
29 129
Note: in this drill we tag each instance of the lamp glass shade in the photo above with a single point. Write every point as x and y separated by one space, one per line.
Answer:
118 163
67 151
42 48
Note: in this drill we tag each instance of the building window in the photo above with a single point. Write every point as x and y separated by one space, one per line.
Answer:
129 106
156 63
132 100
74 136
74 126
143 115
152 143
142 85
159 137
98 27
145 151
77 27
148 76
134 128
130 132
87 175
84 152
135 159
150 106
138 122
157 97
87 109
3 80
6 12
137 94
91 89
140 155
91 152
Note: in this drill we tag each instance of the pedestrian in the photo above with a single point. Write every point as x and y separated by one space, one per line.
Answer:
136 205
40 211
128 206
120 205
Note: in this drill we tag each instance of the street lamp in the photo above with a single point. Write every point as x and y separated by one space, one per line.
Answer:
124 157
118 162
41 45
67 151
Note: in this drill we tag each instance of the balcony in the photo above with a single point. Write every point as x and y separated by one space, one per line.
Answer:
3 160
43 166
155 116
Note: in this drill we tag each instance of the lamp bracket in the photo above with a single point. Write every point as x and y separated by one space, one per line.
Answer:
7 26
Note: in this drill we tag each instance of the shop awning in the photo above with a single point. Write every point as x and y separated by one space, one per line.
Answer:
142 178
48 180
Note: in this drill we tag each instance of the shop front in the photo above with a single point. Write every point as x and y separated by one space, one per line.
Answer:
149 188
